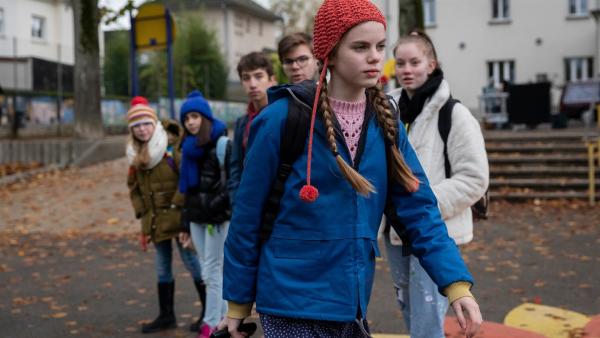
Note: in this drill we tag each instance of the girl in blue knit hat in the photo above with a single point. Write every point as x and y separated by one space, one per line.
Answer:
206 208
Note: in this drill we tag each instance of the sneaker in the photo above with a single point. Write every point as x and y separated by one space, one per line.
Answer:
206 331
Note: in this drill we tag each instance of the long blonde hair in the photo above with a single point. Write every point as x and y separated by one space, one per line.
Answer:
142 158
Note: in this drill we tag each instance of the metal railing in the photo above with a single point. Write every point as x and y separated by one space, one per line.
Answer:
492 107
593 146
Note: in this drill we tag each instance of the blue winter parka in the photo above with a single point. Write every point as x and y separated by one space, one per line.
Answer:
319 261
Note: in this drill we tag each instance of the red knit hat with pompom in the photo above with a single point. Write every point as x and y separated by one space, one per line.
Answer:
334 18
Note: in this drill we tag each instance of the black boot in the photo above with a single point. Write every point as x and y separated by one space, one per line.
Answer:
201 288
166 316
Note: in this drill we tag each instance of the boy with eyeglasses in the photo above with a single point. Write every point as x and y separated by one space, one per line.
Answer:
296 56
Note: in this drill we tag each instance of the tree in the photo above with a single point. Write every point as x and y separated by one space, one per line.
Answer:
116 65
298 16
198 63
88 115
411 16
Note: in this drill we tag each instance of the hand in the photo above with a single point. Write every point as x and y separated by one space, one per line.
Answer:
471 324
232 324
144 242
185 240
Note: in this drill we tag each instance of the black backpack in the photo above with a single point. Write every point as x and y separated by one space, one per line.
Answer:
479 210
292 145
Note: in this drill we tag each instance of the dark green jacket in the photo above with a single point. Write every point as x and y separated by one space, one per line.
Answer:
154 192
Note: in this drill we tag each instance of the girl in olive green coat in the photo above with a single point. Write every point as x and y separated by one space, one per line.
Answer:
152 181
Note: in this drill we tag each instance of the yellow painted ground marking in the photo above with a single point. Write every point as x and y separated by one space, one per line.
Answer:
546 320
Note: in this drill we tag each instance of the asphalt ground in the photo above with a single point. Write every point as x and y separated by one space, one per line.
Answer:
70 264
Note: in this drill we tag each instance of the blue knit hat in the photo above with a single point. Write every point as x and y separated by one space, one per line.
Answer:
195 102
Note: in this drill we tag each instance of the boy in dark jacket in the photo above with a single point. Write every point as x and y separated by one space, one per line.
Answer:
256 73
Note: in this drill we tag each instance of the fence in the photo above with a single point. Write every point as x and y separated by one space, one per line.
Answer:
493 107
47 115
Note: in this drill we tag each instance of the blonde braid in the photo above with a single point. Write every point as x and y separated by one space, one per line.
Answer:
358 182
397 167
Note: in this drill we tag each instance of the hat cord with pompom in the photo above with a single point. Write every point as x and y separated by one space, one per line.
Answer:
334 18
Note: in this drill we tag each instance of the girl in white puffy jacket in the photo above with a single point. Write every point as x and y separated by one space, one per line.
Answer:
422 94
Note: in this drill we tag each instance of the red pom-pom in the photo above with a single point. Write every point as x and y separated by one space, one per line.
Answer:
139 100
414 186
309 194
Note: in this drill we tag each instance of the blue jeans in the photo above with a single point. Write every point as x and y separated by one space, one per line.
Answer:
164 258
209 242
423 307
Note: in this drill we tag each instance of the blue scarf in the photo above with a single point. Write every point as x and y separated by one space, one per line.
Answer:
191 153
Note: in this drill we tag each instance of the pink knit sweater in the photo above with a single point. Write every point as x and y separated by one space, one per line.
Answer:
350 115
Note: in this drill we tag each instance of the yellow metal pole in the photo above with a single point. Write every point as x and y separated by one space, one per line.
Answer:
598 152
591 174
598 115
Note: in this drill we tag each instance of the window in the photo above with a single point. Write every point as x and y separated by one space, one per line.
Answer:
500 71
238 25
500 10
578 7
429 13
38 27
260 28
579 68
1 21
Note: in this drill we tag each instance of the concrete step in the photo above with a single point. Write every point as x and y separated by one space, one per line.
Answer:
537 158
541 184
530 195
576 135
526 171
571 148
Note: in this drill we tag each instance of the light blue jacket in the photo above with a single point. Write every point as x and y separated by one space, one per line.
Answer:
319 262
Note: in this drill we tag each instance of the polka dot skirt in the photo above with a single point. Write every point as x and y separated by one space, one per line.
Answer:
285 327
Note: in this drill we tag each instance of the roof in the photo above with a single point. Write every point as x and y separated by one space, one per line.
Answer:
246 6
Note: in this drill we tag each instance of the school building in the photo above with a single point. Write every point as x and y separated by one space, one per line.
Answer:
520 41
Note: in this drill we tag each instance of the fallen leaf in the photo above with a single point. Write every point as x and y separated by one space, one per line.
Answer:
112 221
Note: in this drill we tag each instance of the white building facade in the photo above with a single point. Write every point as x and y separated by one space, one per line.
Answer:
520 41
41 29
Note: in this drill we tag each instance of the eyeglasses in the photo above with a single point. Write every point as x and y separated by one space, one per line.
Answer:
143 125
301 61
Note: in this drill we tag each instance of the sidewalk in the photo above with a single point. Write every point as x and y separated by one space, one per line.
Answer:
71 266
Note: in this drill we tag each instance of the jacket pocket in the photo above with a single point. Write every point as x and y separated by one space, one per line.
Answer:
296 248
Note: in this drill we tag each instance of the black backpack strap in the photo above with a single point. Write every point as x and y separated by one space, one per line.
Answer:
292 145
390 213
444 126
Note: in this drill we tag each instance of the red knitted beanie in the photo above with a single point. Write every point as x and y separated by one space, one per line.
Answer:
336 17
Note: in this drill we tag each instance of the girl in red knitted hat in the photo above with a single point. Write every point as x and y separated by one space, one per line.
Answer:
312 276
